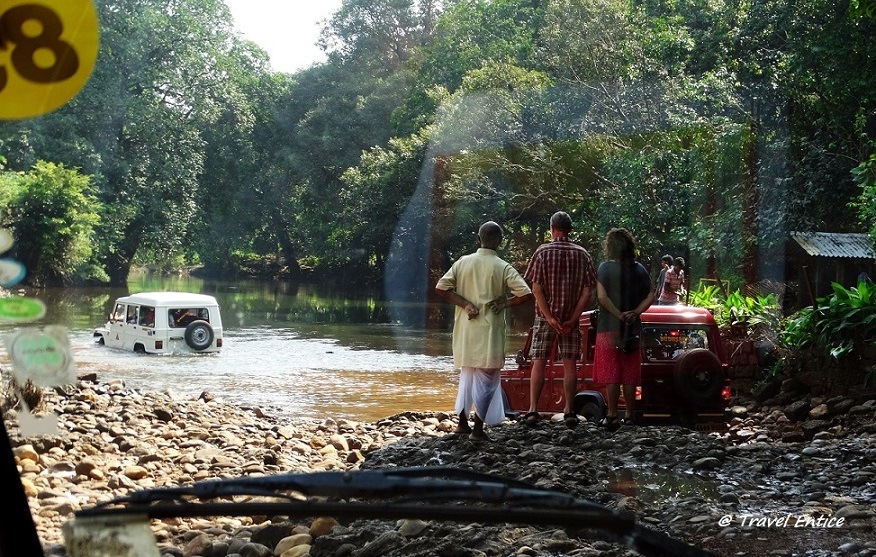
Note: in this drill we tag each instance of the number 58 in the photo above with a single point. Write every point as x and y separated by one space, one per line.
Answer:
17 25
47 51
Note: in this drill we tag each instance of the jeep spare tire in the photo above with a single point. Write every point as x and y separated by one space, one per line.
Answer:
698 377
199 335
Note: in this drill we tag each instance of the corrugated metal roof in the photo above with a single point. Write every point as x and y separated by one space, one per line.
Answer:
833 244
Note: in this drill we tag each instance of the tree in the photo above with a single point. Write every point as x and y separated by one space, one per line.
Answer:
165 74
52 212
378 33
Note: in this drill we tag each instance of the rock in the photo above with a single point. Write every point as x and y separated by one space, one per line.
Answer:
759 466
322 526
811 427
819 412
798 410
297 551
768 390
409 528
707 463
198 545
272 534
255 550
291 541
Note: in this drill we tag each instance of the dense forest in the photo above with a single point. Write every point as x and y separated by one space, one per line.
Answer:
710 128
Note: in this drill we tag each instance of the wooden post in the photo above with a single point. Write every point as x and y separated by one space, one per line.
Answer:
808 281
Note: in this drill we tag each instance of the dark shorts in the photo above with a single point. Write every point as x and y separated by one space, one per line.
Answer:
543 335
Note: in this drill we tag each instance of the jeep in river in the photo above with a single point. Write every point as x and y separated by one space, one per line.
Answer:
162 323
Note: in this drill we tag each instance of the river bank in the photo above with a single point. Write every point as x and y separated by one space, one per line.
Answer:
760 487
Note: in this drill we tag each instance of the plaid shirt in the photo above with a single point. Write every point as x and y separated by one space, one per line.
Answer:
563 269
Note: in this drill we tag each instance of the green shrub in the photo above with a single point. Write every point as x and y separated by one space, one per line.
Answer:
842 324
754 316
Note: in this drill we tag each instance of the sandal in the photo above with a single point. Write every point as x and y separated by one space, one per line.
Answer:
531 418
479 437
571 420
611 423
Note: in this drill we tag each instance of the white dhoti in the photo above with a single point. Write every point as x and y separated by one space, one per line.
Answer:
480 387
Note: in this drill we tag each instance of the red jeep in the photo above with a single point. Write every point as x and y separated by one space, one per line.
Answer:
684 371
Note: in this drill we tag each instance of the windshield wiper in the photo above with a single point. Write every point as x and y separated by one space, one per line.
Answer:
413 493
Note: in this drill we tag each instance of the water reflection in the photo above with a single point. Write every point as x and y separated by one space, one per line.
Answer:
655 487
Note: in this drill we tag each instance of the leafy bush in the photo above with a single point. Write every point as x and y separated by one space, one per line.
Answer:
841 325
709 296
754 316
52 212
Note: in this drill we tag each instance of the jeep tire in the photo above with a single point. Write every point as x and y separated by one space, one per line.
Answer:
591 411
698 377
199 335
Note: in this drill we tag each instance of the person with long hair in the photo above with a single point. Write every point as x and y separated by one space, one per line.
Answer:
624 292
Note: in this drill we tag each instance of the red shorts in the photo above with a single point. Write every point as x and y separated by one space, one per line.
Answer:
611 366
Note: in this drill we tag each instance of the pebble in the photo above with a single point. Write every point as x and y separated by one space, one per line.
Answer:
113 441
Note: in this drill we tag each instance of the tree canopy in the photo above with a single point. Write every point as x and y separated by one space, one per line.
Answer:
711 129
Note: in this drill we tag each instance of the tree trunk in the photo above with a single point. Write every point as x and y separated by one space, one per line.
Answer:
287 247
289 253
749 210
118 262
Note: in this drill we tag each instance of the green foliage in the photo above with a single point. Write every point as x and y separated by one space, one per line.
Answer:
377 32
841 324
375 194
865 176
708 296
664 117
862 8
52 212
752 316
471 33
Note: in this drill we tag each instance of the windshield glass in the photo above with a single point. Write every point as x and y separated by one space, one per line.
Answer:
663 343
734 142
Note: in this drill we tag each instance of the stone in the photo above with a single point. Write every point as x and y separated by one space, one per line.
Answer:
707 463
322 526
797 410
409 528
298 551
291 541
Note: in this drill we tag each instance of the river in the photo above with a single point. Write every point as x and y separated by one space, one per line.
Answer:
300 351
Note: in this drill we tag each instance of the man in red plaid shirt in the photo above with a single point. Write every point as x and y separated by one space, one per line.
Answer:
562 277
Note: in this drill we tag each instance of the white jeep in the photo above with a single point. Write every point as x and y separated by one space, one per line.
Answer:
163 322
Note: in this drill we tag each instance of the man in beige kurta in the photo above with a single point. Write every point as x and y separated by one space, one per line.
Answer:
478 284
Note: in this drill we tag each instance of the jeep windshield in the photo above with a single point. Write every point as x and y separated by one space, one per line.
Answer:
664 343
433 493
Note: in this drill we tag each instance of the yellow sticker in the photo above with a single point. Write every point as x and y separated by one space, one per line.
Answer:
47 51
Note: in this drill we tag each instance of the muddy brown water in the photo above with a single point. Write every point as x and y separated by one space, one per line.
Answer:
293 350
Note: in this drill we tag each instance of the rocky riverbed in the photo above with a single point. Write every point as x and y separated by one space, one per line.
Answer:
794 475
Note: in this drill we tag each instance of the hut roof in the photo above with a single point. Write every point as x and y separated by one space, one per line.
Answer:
835 244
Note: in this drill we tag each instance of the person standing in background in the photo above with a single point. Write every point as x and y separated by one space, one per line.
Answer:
673 284
665 263
623 289
477 281
562 276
